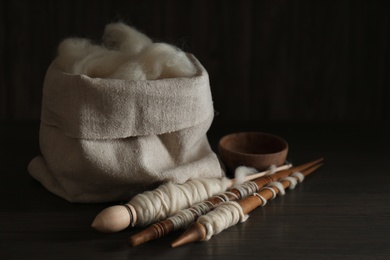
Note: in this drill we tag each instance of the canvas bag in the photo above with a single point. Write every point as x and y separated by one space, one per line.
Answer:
109 139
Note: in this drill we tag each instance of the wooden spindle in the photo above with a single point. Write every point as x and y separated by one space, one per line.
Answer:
118 217
162 228
197 232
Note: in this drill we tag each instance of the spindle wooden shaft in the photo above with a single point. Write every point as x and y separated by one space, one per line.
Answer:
152 232
197 231
251 202
261 182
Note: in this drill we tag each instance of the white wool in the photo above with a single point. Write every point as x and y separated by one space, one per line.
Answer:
224 216
229 213
101 63
158 60
169 198
119 36
130 70
241 172
162 60
80 56
125 54
185 217
72 50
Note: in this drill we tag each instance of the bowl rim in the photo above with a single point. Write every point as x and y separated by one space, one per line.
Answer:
275 137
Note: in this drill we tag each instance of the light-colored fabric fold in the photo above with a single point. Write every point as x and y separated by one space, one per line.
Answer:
97 108
108 139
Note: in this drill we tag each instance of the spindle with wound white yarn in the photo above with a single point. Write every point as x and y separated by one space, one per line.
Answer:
185 217
233 212
157 204
166 200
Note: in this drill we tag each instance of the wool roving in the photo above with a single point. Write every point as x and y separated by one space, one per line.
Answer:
119 36
125 53
158 60
241 172
80 56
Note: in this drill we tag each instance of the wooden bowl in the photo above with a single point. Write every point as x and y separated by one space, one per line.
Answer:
252 149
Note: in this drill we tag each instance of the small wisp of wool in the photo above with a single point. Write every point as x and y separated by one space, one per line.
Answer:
241 172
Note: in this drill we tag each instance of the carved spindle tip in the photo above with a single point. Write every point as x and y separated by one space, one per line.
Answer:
134 241
196 232
141 237
112 219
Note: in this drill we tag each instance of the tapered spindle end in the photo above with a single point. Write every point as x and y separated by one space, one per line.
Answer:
142 237
135 241
311 169
196 232
112 219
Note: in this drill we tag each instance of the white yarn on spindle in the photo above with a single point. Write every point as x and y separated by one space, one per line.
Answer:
279 186
246 188
263 200
222 197
293 181
230 213
272 190
186 216
231 193
224 216
299 175
169 198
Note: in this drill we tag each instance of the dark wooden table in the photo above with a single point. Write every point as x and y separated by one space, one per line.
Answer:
342 211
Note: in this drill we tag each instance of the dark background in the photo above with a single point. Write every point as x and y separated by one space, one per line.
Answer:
322 61
270 62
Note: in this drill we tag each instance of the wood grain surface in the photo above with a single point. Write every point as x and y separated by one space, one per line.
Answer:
342 211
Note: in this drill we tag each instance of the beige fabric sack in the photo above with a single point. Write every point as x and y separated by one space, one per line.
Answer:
109 139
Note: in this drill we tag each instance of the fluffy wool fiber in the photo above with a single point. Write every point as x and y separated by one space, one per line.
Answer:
125 53
241 172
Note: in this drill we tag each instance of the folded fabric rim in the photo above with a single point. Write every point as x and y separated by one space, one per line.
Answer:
97 108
